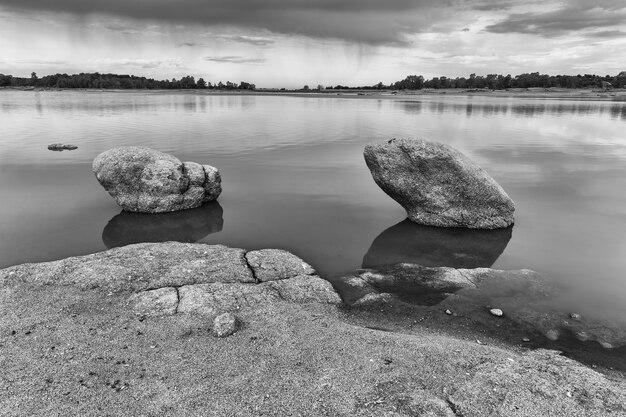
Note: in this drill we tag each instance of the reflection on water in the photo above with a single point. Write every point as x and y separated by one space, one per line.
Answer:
481 107
181 226
436 246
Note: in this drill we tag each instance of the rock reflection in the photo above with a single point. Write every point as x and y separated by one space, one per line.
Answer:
436 246
182 226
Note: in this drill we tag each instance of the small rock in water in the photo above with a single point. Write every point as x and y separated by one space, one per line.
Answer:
553 335
224 325
606 345
61 147
496 312
448 312
526 340
575 316
582 336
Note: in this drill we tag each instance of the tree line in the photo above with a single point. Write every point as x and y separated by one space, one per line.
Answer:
502 82
115 81
411 82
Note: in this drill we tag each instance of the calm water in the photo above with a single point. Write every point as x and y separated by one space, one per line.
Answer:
294 178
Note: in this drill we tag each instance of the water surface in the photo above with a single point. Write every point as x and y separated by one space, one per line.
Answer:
294 178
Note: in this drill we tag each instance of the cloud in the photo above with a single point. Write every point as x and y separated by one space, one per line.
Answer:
232 59
252 40
141 63
607 34
363 21
571 18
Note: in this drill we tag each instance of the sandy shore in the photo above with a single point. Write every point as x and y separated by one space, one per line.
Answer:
73 342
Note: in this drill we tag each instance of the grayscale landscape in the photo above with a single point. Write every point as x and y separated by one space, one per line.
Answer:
322 208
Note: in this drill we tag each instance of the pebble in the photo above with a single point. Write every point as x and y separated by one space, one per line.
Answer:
526 340
225 325
496 312
606 345
448 312
575 316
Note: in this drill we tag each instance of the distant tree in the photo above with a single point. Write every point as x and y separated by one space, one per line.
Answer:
246 86
306 88
201 83
320 87
188 82
5 80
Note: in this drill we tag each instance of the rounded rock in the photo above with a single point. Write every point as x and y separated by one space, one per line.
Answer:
438 185
148 181
496 312
225 325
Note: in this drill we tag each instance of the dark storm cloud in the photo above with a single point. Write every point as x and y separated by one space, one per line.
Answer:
366 21
232 59
607 34
490 6
571 18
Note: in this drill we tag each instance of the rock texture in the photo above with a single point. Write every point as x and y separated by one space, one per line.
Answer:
438 185
104 334
224 325
148 181
275 264
169 278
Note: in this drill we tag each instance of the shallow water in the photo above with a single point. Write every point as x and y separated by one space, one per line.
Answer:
294 178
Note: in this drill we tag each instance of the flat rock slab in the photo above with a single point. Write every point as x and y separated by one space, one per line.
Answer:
140 267
148 181
276 264
69 348
437 185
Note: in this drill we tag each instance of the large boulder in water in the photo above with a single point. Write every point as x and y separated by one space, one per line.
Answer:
438 185
148 181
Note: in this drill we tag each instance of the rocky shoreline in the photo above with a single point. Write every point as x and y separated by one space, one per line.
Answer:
129 331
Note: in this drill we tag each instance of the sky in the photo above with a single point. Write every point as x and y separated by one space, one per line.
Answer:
289 43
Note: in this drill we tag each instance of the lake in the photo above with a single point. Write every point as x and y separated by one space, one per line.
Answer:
294 178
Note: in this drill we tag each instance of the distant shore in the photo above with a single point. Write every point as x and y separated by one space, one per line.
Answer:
618 94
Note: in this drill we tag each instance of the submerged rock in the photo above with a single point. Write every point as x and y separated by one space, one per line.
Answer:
148 181
438 185
527 295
